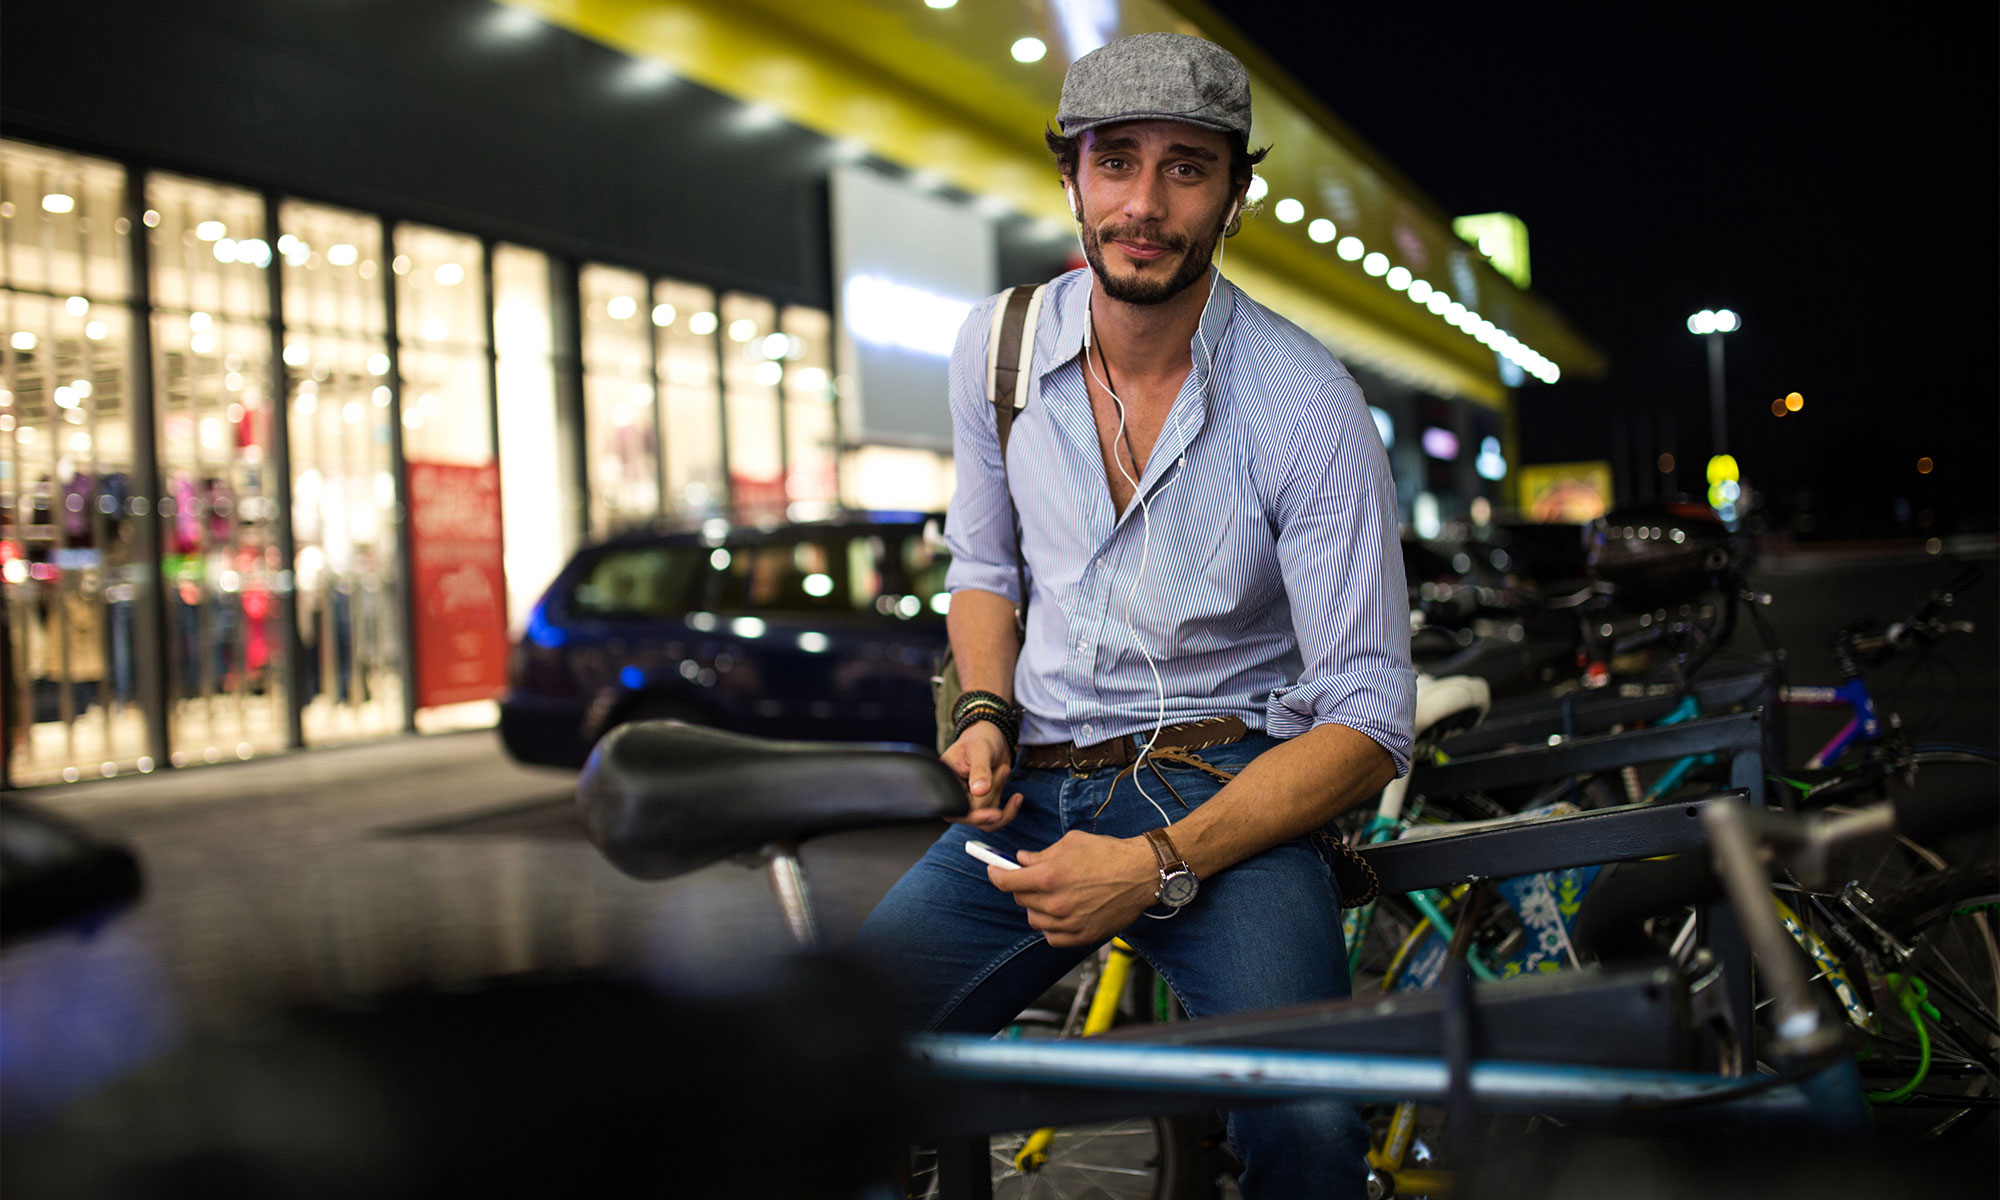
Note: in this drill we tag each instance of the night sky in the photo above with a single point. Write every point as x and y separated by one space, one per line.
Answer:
1832 181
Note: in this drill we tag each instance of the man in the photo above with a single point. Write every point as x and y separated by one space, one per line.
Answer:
1208 529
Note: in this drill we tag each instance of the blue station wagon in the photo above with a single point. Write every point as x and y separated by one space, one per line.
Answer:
821 630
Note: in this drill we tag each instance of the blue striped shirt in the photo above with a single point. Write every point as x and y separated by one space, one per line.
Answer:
1272 588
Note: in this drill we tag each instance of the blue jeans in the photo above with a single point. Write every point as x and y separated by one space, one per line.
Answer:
1262 934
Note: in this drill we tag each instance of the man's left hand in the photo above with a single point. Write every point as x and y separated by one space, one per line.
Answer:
1083 889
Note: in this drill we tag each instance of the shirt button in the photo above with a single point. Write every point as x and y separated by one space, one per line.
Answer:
1082 645
1088 730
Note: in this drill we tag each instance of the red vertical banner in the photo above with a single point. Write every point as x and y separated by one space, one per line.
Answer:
460 584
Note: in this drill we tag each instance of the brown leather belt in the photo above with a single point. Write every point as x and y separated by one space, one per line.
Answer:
1123 751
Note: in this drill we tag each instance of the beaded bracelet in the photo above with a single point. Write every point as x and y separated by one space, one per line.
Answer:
974 707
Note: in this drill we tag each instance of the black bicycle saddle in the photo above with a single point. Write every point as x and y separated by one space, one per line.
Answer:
661 798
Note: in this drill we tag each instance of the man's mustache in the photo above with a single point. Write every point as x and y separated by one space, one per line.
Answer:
1151 236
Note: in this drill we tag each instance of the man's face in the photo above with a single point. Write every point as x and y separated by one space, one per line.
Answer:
1153 195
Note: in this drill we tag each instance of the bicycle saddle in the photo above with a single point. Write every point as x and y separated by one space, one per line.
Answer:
661 798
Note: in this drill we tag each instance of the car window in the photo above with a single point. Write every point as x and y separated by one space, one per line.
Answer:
641 581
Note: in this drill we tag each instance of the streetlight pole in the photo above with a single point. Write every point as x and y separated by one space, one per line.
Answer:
1712 324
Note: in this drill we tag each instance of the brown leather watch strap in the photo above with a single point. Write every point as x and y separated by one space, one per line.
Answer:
1163 849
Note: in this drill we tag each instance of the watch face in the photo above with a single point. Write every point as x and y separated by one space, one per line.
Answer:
1178 888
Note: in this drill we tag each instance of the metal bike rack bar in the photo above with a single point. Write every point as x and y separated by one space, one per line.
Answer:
1535 719
1232 1076
1739 736
1541 844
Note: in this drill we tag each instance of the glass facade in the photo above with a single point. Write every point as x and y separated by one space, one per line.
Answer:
204 538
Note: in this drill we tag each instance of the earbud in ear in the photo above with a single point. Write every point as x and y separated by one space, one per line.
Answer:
1075 209
1235 206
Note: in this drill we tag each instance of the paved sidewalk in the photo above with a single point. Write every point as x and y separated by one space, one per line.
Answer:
336 875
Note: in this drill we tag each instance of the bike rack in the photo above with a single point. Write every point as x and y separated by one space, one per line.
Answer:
1721 689
1738 736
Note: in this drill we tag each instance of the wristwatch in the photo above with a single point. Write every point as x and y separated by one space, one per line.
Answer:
1178 882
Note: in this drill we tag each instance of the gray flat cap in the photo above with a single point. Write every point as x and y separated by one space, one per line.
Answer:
1156 77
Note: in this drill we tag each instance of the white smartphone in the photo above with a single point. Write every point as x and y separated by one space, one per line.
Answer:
987 854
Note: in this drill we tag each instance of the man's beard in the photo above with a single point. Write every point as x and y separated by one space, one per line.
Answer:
1143 289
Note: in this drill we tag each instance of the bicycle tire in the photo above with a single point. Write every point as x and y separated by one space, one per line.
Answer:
1946 920
1143 1158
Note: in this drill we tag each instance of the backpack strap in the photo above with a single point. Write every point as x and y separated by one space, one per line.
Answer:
1010 352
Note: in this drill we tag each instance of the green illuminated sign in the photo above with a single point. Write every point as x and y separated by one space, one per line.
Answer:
1502 238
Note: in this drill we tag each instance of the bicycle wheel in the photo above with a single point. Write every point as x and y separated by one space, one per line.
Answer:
1143 1158
1941 1078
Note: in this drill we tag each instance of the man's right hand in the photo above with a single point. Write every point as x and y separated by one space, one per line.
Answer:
980 758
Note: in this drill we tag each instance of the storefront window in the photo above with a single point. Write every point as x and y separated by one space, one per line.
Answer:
811 486
751 372
538 499
70 574
684 325
343 490
621 424
219 556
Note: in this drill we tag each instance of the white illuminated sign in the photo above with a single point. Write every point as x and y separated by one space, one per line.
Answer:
888 313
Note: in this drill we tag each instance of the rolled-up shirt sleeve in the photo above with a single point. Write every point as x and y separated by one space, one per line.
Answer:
979 525
1341 559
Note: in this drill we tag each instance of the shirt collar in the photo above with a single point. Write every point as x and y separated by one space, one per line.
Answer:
1072 309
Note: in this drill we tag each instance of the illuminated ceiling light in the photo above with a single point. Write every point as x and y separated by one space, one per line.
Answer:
940 3
702 324
1289 210
22 340
297 354
1028 50
1727 321
200 322
1702 322
378 364
1350 248
1554 374
76 306
82 387
1321 230
768 373
742 329
436 330
663 315
342 255
513 23
151 219
645 74
96 331
253 251
1794 402
56 202
1398 278
1259 188
1376 264
225 250
1420 290
449 274
809 379
209 231
1454 312
621 308
776 345
1438 301
756 117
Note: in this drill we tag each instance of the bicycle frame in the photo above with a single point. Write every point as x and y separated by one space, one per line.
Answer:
1852 695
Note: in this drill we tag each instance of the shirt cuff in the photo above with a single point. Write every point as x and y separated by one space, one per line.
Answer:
1000 579
1381 704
